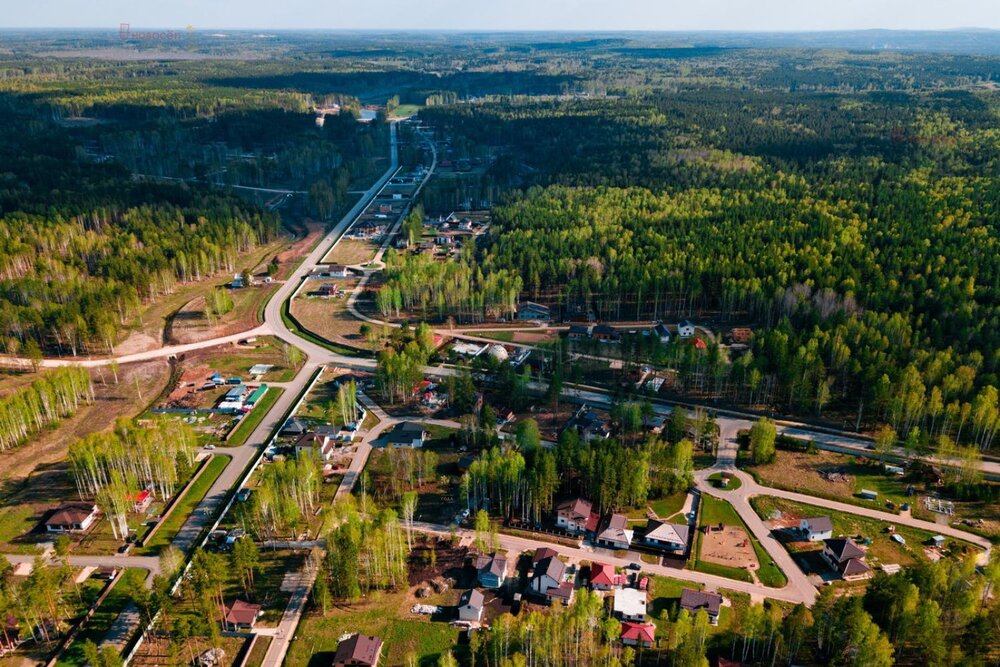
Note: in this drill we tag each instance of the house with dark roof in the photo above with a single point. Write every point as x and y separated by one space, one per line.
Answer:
541 553
662 332
693 601
294 427
548 574
242 615
685 329
529 310
492 570
672 537
578 332
638 634
72 517
470 606
605 333
847 558
358 651
816 529
588 424
576 515
405 434
614 532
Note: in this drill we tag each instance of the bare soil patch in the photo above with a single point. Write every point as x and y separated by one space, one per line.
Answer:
730 546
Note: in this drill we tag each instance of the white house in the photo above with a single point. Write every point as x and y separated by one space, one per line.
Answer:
816 529
575 515
548 574
630 605
666 536
470 606
72 518
685 329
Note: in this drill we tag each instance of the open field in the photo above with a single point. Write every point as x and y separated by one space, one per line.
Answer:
235 360
384 615
189 324
329 318
349 252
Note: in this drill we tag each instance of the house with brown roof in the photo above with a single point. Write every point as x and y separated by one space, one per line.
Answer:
614 532
242 615
358 651
72 517
492 570
693 601
315 444
576 516
847 558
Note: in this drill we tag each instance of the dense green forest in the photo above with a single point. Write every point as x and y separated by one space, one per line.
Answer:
857 232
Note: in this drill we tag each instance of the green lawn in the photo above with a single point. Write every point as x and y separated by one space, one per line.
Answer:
259 650
667 507
255 417
716 481
384 615
172 525
104 617
15 520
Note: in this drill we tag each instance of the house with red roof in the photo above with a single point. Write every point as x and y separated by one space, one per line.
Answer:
242 615
638 634
604 578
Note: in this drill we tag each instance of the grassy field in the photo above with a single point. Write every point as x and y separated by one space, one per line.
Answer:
259 650
104 617
253 420
172 525
881 550
236 360
669 506
716 480
384 615
351 251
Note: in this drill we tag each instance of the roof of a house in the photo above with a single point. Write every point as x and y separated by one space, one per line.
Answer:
615 529
534 306
494 564
257 393
820 524
578 508
358 648
242 613
667 532
602 574
294 425
854 566
72 513
605 329
311 440
630 602
693 600
644 632
552 567
405 432
141 496
541 553
579 329
563 591
471 598
844 548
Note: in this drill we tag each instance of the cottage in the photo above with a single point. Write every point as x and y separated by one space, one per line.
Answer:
529 310
603 577
614 533
589 424
548 573
72 517
578 332
242 615
141 501
315 444
638 634
327 289
847 558
816 529
576 516
492 570
671 537
662 333
685 329
294 427
630 605
694 601
606 334
358 651
470 606
405 434
563 594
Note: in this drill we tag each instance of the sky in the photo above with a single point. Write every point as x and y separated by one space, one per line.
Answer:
490 15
